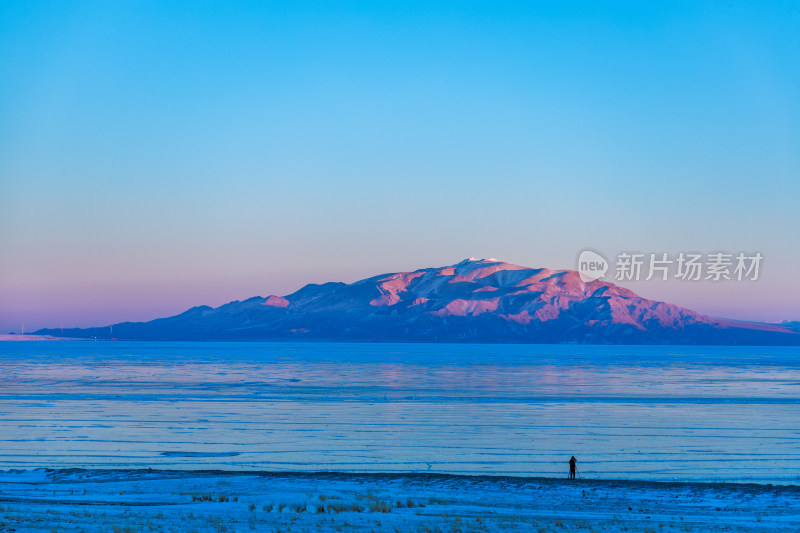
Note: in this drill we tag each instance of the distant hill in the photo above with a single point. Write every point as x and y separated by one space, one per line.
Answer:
476 300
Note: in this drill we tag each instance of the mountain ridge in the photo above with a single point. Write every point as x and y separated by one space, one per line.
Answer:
474 300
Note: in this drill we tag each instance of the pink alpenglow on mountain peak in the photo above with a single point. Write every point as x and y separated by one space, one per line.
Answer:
391 285
475 300
276 301
468 307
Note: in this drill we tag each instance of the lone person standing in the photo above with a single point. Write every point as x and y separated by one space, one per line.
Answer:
572 467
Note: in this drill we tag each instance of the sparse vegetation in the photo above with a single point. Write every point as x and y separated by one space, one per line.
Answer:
299 507
380 507
345 508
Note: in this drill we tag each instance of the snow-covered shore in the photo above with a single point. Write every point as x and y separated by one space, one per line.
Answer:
20 337
160 500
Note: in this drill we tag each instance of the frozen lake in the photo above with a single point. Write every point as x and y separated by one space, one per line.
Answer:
626 412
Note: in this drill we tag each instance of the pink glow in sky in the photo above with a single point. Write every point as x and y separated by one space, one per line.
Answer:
155 157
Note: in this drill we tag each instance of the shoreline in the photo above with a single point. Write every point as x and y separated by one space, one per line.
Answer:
337 475
77 499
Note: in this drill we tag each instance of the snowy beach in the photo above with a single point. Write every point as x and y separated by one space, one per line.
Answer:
142 500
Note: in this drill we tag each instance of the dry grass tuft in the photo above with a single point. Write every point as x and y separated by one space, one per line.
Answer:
380 507
345 508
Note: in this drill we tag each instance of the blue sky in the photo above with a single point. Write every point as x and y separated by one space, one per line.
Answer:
159 155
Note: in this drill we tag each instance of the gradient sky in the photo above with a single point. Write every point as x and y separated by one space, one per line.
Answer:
160 155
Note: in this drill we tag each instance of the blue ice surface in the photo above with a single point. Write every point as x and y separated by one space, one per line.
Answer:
626 412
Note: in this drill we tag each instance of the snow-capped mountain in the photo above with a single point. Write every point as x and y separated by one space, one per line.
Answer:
476 300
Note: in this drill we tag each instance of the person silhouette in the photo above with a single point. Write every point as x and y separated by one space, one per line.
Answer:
572 467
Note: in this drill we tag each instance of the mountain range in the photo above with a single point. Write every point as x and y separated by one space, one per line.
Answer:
476 300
